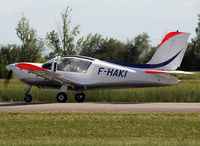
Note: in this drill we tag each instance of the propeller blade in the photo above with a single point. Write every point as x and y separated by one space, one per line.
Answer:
8 78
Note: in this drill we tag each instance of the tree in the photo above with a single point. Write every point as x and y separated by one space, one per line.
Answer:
32 45
135 50
53 42
68 34
196 45
11 52
149 55
91 45
3 64
110 50
98 47
8 54
192 56
64 42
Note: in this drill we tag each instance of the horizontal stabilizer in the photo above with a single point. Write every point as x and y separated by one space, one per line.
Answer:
168 72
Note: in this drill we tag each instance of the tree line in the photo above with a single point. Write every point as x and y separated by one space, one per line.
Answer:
66 41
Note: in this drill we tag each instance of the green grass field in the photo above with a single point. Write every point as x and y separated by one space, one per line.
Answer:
71 128
187 91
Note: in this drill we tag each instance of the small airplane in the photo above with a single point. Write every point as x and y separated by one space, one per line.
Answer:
80 73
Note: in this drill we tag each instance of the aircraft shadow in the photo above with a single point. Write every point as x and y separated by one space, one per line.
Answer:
24 103
119 102
38 103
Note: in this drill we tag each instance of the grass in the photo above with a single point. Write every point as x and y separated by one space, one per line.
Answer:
187 91
72 128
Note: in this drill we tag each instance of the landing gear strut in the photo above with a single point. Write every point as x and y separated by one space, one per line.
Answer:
80 97
27 97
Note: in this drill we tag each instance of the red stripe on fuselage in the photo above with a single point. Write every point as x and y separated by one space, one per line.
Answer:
30 66
154 72
168 36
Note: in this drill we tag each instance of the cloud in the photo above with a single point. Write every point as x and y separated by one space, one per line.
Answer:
8 7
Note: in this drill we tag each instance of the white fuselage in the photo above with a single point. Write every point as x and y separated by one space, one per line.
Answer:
100 75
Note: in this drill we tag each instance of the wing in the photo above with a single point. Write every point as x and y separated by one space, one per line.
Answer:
46 74
168 72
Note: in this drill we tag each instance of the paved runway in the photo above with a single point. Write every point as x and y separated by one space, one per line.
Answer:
102 107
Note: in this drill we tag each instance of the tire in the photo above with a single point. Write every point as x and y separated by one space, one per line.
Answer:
28 98
80 97
61 97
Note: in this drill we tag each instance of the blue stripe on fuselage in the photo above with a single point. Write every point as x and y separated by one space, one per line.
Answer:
147 65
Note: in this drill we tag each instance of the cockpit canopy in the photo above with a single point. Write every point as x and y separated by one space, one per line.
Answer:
68 64
48 64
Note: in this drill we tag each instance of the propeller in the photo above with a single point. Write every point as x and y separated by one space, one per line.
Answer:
8 78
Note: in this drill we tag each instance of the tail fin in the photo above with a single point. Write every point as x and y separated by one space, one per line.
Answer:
170 52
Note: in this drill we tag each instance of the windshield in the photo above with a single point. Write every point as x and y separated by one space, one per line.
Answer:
48 64
73 65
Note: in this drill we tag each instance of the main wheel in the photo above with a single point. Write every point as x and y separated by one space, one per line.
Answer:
27 98
62 97
80 97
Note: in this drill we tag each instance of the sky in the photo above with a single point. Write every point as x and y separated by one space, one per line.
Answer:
119 19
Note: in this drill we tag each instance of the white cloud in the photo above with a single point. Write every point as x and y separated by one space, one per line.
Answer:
8 7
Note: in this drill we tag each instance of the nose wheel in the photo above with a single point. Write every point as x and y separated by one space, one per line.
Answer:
80 97
62 97
27 97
